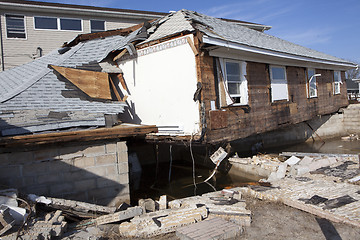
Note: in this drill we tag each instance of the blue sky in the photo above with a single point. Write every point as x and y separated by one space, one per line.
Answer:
330 26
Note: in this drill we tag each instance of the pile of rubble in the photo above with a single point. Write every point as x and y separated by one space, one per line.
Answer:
52 218
288 164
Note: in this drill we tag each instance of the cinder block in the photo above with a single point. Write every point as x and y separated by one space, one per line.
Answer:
106 192
35 169
78 175
110 148
98 170
121 147
50 178
84 185
60 166
10 171
16 158
106 159
123 167
46 154
84 162
71 152
122 157
61 189
112 169
94 150
36 189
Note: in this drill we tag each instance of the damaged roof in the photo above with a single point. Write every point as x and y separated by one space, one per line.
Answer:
229 32
35 98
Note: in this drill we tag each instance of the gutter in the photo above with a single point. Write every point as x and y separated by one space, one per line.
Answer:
2 48
237 46
16 6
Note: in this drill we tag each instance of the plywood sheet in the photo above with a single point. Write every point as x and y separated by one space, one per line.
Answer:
94 84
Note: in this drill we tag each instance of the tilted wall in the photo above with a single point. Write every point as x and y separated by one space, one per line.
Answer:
261 114
94 172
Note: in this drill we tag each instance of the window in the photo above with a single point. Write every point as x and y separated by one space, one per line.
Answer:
311 83
45 23
337 82
97 26
70 24
236 81
15 26
279 88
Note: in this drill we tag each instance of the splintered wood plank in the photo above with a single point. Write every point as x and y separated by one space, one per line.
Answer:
94 84
115 90
120 131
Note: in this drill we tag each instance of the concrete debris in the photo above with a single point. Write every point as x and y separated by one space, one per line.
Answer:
354 179
162 202
39 199
119 216
292 160
147 204
351 137
19 214
6 220
8 197
52 226
163 221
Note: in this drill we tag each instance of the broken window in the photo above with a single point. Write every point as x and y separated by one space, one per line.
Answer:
279 86
97 25
49 23
311 83
337 82
15 26
236 83
70 24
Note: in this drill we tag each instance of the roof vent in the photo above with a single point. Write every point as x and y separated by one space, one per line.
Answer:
63 50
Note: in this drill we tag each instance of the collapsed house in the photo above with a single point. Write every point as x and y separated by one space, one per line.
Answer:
200 77
193 76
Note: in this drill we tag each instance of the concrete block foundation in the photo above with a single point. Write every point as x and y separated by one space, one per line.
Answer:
93 172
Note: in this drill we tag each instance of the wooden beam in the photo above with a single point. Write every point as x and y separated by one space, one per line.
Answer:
121 131
120 76
120 54
115 89
192 45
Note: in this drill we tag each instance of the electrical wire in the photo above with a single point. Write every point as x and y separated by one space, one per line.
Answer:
193 161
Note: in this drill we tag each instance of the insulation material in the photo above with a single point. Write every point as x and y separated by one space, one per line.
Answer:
94 84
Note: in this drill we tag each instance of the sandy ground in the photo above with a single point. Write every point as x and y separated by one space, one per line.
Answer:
277 221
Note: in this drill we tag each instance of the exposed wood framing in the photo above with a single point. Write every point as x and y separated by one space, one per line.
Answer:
122 81
115 89
121 131
94 84
122 53
192 45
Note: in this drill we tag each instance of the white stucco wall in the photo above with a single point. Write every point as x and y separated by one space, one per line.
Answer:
162 81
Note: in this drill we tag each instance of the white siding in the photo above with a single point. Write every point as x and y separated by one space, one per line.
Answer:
162 85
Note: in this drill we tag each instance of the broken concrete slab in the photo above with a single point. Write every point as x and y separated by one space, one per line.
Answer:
8 197
162 202
164 221
147 204
119 216
292 160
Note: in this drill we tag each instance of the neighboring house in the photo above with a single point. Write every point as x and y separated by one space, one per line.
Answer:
202 78
353 89
30 29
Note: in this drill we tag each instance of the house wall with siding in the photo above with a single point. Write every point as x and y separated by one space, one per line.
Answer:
20 51
94 172
261 114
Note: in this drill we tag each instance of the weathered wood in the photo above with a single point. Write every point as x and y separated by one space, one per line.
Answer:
120 131
122 81
119 216
122 53
115 89
94 84
193 48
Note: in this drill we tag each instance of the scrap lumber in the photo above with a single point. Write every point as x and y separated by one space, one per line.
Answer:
115 89
121 131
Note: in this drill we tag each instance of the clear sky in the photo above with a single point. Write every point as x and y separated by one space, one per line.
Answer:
330 26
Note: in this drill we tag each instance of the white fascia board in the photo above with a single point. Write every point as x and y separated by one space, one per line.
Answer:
27 7
237 46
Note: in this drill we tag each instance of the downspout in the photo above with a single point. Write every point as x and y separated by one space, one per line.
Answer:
2 48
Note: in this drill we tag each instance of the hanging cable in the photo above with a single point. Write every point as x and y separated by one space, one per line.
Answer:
193 161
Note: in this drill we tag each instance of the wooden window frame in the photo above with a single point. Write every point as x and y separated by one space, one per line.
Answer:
273 82
337 82
243 87
308 77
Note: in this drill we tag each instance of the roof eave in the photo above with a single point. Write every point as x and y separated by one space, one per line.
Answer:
242 47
